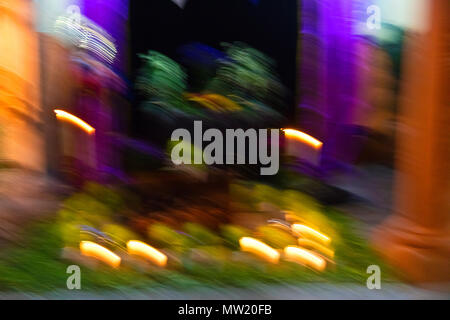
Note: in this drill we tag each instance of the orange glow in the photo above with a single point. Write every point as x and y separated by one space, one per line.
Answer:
260 249
144 250
304 257
303 137
310 232
292 217
63 115
91 249
317 246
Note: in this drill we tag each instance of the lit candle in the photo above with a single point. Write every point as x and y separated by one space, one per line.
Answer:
94 250
63 115
303 137
317 246
304 257
302 146
142 249
260 249
303 230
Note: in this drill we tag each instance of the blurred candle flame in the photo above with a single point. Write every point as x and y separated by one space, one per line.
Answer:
63 115
305 257
142 249
94 250
307 243
303 137
260 249
303 230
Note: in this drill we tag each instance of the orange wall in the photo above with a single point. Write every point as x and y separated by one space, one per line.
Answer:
21 140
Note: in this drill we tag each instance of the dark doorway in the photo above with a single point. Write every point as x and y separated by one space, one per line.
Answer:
267 25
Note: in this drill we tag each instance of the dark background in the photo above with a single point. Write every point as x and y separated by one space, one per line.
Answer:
269 26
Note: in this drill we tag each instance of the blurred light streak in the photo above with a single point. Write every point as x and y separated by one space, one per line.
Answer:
283 225
292 217
94 250
305 257
180 3
303 137
310 244
308 231
142 249
87 35
63 115
214 102
260 249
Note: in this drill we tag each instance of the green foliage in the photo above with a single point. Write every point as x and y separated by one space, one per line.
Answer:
203 257
36 266
231 235
28 266
119 233
243 194
308 211
84 207
244 85
353 253
163 82
201 234
299 202
96 206
105 195
161 78
248 73
265 193
276 237
164 236
70 234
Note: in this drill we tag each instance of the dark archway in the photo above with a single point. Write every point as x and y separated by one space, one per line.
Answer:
269 26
